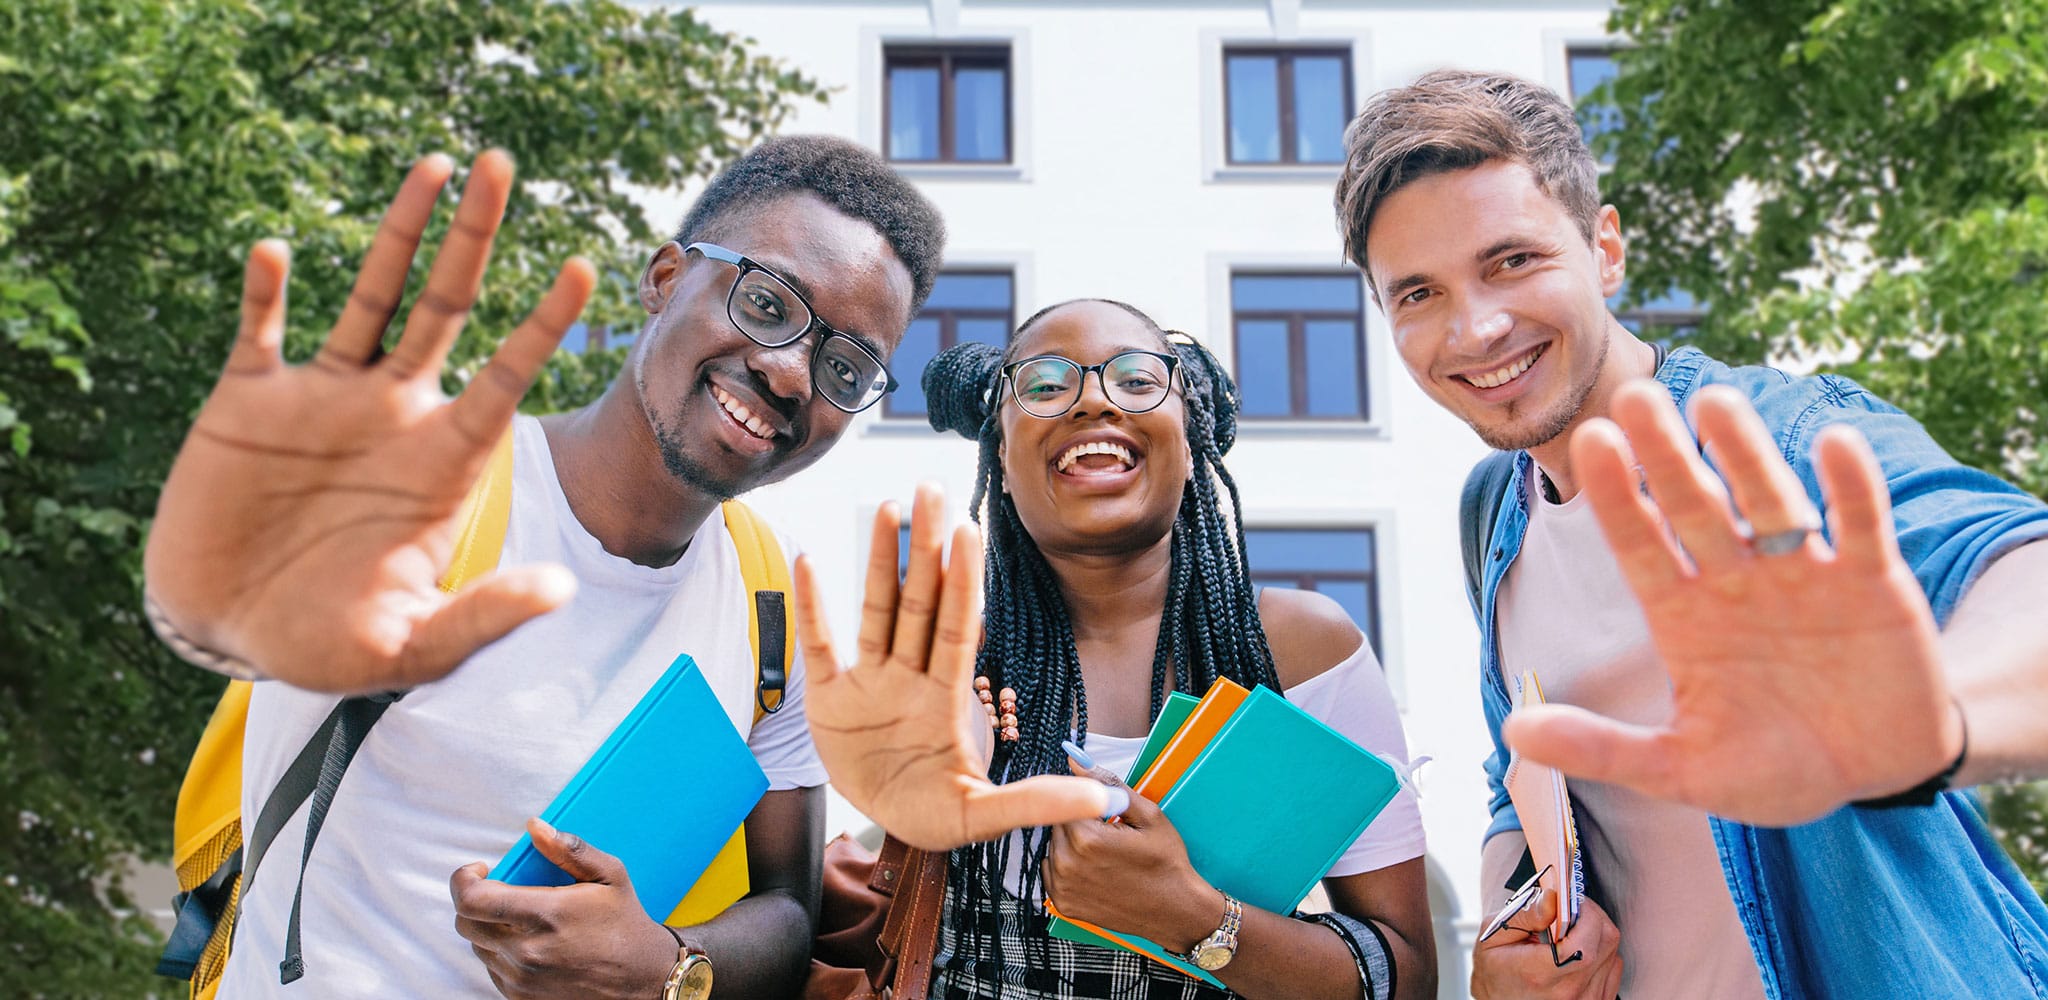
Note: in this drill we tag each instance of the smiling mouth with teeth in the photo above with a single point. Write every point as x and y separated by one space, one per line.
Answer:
1505 373
1082 458
743 416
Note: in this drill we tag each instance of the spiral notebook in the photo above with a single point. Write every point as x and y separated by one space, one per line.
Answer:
1545 808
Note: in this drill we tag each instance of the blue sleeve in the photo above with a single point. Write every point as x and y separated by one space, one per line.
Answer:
1953 521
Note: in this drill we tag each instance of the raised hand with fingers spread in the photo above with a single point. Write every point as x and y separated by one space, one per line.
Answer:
311 509
899 729
1805 671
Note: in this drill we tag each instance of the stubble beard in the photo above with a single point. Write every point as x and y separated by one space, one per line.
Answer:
675 456
1512 435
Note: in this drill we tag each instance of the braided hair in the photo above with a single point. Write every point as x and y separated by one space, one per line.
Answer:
1209 628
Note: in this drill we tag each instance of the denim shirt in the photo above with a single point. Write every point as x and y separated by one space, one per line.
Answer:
1876 903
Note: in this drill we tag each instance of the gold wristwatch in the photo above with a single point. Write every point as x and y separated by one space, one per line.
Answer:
691 978
1215 951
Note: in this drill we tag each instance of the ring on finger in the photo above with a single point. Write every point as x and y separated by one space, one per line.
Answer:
1776 543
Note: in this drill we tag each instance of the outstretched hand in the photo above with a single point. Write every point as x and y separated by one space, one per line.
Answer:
897 730
1804 674
311 510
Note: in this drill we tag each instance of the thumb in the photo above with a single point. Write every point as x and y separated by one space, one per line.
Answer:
480 614
1586 745
575 855
1045 800
1141 812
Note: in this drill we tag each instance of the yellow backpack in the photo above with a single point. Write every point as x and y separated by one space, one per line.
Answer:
209 848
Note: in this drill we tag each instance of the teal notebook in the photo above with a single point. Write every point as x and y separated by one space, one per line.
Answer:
1277 797
1265 810
663 794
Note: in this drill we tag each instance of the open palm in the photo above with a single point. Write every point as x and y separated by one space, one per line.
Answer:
1801 679
899 731
311 509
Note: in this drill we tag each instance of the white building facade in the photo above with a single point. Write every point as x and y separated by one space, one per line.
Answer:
1181 156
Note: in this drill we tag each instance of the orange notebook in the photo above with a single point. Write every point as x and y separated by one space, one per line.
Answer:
1215 709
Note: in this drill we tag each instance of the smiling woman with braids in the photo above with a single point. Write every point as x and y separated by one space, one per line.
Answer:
1115 576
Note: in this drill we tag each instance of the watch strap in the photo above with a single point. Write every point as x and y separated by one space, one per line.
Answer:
688 956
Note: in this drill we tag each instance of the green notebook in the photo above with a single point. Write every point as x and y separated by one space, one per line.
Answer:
1172 715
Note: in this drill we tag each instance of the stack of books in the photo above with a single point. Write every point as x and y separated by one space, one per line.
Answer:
1265 796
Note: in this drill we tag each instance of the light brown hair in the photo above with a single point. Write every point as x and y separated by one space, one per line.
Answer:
1453 120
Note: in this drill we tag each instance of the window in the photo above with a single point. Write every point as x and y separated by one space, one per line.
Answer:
1674 316
947 105
964 306
1586 69
1299 342
1339 563
1286 105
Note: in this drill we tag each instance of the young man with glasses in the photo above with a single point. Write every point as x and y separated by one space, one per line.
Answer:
310 512
1764 720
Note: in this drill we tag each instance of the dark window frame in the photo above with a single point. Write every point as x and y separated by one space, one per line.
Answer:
1284 56
1297 349
945 58
949 321
1305 579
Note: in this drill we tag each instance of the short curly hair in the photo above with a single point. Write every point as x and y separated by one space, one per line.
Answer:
847 176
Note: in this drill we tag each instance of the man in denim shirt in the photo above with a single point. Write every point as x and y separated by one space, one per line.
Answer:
1734 693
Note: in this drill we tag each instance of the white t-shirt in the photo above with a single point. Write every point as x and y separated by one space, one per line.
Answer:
452 771
1566 612
1351 698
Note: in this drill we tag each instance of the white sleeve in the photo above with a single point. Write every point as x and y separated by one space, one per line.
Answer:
1353 698
781 741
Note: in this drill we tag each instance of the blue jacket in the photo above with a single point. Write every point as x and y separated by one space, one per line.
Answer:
1862 902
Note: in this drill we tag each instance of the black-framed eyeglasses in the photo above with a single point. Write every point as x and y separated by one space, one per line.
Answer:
772 313
1049 385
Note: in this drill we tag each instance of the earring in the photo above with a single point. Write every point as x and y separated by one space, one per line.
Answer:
1005 721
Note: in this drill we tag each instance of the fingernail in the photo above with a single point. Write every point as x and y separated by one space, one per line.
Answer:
1080 756
1119 800
546 828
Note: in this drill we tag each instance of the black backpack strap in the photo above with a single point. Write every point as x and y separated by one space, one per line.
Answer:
1486 488
314 774
769 610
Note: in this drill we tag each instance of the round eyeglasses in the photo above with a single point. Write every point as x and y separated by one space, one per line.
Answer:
1049 385
772 313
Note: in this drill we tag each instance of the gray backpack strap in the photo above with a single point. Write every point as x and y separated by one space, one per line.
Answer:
314 774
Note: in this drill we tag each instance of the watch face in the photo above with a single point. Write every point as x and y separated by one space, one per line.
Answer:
696 981
1210 957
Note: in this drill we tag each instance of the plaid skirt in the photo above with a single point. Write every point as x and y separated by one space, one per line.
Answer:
1007 955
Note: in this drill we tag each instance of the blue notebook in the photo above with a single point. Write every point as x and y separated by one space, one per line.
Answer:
663 794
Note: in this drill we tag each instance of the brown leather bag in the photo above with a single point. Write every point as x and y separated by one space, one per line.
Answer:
878 922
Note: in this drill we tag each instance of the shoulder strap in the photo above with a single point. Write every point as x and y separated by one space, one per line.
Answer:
317 771
1478 508
485 513
768 623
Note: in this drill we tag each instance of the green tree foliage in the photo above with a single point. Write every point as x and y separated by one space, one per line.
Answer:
148 144
1864 182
